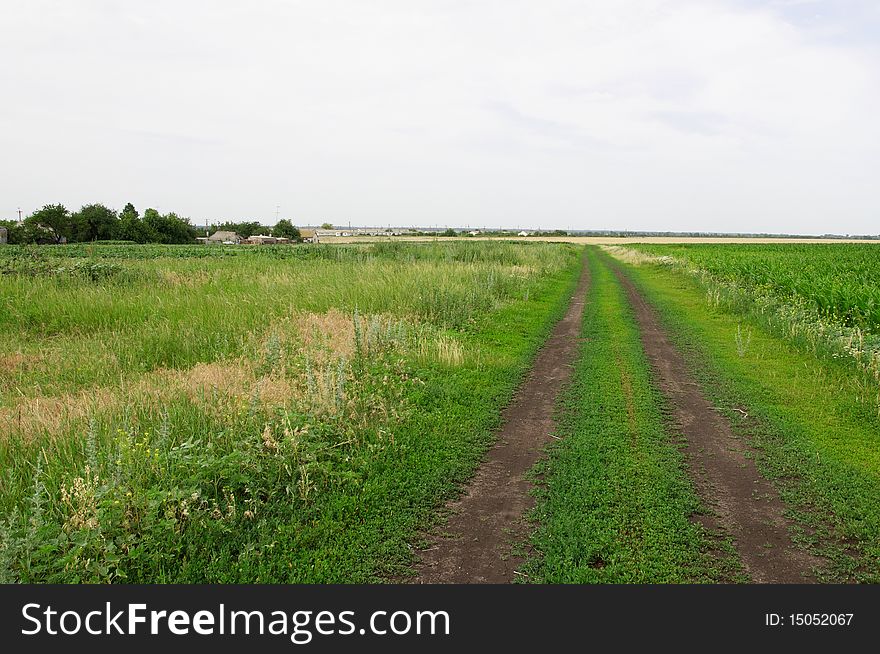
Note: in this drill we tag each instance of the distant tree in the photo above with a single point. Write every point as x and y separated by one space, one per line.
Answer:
244 229
132 228
94 222
286 229
153 222
180 229
326 226
129 210
169 228
449 232
15 233
52 222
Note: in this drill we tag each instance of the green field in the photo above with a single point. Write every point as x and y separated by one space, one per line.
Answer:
838 281
794 363
192 414
823 296
304 414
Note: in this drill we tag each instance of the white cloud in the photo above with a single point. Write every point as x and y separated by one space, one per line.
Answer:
624 113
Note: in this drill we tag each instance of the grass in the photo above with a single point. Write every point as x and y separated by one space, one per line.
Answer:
253 414
835 281
813 423
614 500
822 297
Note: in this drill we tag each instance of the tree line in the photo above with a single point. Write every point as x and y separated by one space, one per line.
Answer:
248 228
54 223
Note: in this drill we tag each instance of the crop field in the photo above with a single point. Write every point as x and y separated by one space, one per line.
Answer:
838 281
364 412
826 295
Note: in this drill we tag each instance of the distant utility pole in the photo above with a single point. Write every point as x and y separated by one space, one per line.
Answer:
277 209
19 214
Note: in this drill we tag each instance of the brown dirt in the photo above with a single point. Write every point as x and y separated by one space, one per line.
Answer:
487 522
746 506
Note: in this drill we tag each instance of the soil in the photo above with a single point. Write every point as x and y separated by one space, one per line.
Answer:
745 505
487 524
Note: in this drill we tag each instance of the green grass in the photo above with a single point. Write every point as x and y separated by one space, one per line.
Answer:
837 280
176 311
614 500
815 427
299 461
822 297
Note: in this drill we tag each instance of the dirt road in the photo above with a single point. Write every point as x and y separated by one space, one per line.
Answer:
487 522
745 504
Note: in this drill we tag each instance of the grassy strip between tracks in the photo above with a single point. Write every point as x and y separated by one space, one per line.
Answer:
815 430
614 499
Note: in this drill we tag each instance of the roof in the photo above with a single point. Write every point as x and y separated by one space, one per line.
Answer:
307 233
224 236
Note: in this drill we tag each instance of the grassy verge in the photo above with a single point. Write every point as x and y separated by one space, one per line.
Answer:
614 500
358 391
814 428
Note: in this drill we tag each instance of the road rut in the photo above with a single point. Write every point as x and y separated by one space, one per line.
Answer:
487 521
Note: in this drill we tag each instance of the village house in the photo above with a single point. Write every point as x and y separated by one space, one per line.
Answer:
308 235
226 238
262 239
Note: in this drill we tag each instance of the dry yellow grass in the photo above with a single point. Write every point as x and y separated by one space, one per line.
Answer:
190 279
441 348
52 415
331 332
16 361
634 257
220 388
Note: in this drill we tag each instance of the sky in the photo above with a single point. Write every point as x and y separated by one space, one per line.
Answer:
664 115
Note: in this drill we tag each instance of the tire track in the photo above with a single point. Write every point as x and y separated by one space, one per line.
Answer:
487 521
747 506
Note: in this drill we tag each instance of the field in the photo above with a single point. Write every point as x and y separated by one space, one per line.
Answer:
277 414
824 295
385 411
784 339
838 281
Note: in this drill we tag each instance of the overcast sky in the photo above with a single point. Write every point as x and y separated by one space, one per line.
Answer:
727 115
